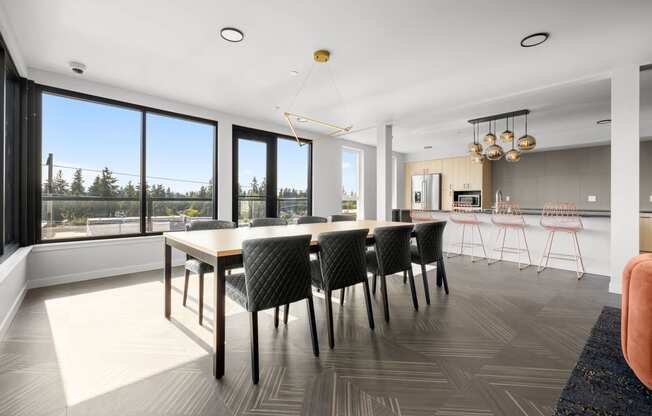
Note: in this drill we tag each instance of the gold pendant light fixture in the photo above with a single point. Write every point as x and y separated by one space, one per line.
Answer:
320 56
493 151
526 142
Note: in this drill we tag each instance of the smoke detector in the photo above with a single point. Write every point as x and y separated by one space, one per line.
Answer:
77 67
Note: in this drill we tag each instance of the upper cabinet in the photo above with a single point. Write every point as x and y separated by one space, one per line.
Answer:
458 174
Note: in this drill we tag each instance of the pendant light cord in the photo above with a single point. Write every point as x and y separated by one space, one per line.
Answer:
303 84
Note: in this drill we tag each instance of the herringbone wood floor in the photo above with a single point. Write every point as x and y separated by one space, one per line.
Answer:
502 343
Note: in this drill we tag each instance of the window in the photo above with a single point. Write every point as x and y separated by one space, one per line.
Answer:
351 181
293 182
394 182
10 122
91 169
97 156
179 172
272 176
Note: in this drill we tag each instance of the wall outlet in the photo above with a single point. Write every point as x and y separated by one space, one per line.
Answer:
592 198
507 198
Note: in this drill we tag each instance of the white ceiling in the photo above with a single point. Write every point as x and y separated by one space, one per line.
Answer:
424 65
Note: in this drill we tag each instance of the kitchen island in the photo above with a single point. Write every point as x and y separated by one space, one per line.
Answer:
594 239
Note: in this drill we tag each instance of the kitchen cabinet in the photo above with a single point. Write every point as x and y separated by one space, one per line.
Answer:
645 232
458 174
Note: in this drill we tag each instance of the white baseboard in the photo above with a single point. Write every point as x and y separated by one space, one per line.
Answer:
4 326
93 274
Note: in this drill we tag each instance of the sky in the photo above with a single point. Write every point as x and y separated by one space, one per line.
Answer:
349 171
82 134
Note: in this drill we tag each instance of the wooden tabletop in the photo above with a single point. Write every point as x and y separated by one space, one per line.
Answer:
228 242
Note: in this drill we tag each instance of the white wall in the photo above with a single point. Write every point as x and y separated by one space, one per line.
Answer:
13 284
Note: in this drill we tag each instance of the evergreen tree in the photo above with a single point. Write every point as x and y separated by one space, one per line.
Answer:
129 190
104 184
59 184
77 185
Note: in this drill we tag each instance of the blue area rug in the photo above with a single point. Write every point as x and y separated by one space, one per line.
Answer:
601 382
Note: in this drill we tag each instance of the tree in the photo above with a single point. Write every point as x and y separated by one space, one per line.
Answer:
59 184
129 190
77 185
104 184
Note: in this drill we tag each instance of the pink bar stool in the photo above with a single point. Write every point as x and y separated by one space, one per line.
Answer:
562 217
507 216
464 215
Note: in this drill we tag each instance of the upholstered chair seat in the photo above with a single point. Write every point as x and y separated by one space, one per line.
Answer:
196 266
276 272
636 325
340 264
429 249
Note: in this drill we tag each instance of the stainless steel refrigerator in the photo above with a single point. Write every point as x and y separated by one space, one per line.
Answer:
426 191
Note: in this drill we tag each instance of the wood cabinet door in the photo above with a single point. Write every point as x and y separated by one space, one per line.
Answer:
645 233
448 172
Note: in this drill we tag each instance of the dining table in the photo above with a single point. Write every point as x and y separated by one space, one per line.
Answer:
222 249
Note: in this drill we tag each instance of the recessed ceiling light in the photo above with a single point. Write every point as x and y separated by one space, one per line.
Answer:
605 121
294 73
427 147
77 67
231 34
534 39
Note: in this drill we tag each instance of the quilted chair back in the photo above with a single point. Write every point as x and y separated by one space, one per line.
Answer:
342 258
267 222
196 225
429 240
342 217
393 248
311 220
277 271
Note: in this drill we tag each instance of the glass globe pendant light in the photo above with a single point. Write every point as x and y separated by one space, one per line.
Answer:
489 138
508 135
526 142
475 147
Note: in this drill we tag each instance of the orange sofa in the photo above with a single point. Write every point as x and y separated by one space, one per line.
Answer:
636 324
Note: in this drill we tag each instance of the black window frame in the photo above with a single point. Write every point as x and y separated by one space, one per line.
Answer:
41 89
271 195
9 242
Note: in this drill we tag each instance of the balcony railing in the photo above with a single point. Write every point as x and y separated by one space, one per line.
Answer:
250 207
66 216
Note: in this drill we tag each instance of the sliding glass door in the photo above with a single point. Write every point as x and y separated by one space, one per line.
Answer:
272 176
252 179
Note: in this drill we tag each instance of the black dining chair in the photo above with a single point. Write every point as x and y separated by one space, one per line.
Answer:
276 272
267 222
342 217
391 254
429 236
200 268
311 220
341 263
270 222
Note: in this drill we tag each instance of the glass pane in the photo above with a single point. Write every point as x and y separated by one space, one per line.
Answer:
350 181
292 179
252 179
179 172
91 169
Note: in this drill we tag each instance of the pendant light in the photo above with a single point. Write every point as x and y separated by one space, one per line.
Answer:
477 157
526 142
475 147
494 152
508 135
513 155
489 138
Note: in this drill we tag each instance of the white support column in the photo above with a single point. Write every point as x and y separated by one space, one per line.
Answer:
384 172
625 145
225 170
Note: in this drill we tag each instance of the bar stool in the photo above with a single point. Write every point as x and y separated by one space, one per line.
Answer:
507 216
563 218
463 214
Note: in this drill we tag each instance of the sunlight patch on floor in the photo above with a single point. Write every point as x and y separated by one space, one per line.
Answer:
111 338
